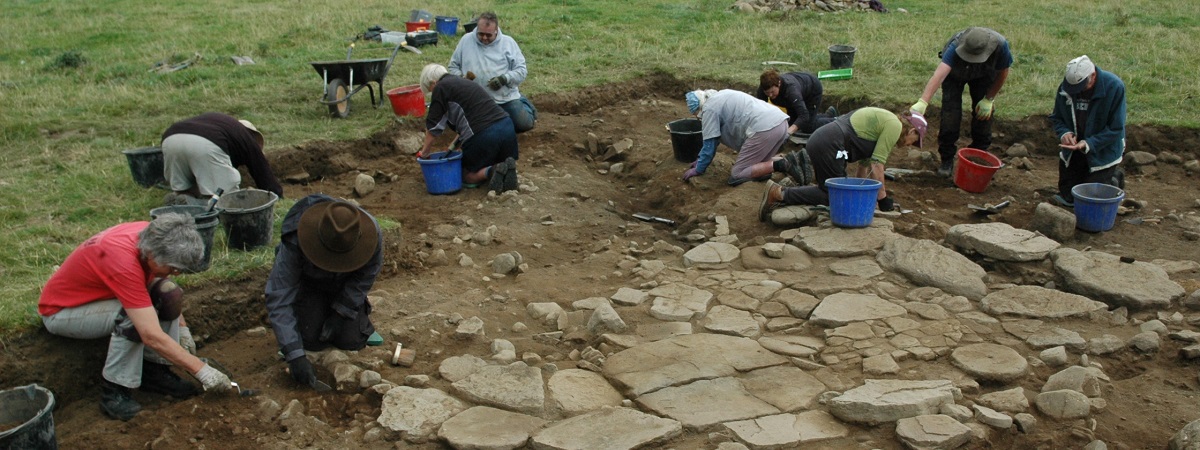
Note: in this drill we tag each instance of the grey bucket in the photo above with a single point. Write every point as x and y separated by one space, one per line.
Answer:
146 164
841 56
248 216
31 407
206 225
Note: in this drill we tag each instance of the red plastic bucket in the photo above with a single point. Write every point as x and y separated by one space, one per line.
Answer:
975 169
416 26
407 100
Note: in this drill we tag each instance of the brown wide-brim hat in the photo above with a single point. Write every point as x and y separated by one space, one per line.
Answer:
337 236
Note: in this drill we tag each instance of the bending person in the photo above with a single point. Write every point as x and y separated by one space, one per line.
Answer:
753 128
799 94
201 155
485 132
494 60
1089 119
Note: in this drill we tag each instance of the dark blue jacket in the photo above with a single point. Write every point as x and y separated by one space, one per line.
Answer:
1104 131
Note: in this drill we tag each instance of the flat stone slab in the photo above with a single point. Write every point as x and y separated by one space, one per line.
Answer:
683 359
835 241
999 240
1039 303
417 413
785 387
990 362
722 319
798 346
484 428
880 401
704 403
840 309
714 255
933 431
629 296
787 430
608 428
861 268
515 387
679 302
926 263
663 330
755 258
577 391
821 283
1102 276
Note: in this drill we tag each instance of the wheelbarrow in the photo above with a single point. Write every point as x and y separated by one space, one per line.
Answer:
343 79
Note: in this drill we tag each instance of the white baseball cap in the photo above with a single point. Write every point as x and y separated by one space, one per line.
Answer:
1078 71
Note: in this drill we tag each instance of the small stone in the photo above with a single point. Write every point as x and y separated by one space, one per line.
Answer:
1025 422
1146 342
363 184
417 381
1054 356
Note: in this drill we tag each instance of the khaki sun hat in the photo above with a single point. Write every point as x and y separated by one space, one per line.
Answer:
337 236
254 131
977 44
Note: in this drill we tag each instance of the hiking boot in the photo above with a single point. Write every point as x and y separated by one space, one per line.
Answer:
117 401
832 111
771 198
799 168
1061 201
159 379
510 176
946 169
499 171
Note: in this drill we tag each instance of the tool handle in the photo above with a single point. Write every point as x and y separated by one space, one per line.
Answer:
212 202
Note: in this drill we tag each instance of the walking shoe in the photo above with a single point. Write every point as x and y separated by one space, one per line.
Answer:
946 169
159 379
799 168
832 111
772 195
117 402
510 176
496 183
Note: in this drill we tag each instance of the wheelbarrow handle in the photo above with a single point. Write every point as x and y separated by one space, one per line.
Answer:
389 64
350 50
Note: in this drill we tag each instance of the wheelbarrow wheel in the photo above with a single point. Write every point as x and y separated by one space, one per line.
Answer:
337 91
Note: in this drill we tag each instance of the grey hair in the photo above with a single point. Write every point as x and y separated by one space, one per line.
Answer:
172 240
489 17
431 74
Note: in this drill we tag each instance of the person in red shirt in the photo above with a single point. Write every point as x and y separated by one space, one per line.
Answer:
115 284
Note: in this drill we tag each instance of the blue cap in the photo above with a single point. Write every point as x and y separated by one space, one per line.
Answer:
693 102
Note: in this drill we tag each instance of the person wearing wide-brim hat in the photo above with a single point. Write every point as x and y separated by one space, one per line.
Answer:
977 58
329 254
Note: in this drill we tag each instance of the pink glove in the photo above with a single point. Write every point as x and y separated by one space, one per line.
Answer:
690 173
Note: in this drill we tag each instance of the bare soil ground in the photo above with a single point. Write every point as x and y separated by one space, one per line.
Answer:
570 213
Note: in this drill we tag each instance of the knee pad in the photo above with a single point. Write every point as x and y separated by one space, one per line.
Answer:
167 298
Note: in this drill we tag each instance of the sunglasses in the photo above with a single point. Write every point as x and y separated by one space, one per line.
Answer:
485 35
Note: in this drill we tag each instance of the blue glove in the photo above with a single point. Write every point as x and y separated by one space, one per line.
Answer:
691 173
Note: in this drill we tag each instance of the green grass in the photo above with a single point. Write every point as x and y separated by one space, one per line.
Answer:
76 85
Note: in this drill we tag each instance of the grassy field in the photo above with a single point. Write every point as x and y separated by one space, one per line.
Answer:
77 89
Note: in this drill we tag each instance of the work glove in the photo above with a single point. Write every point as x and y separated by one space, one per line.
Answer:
887 204
692 172
984 109
497 82
212 379
470 75
302 371
919 106
186 341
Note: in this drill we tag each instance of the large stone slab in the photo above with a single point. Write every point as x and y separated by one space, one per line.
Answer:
785 387
821 283
879 401
734 322
417 413
484 428
679 302
989 361
1102 276
704 403
577 391
999 240
840 309
683 359
933 432
609 429
1038 302
835 241
926 263
798 346
792 259
711 255
787 430
515 387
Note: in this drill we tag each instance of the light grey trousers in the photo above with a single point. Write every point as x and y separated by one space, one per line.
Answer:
101 318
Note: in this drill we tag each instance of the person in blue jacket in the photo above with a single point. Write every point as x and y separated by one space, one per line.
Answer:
329 254
1089 119
494 60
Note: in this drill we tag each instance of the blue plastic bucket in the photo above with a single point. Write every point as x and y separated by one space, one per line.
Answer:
443 172
447 25
1096 206
852 201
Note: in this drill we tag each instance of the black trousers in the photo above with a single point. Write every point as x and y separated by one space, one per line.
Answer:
321 326
981 130
1079 173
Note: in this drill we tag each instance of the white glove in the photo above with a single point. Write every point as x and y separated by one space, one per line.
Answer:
185 340
213 379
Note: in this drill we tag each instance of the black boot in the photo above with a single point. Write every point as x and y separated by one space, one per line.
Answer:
159 378
117 402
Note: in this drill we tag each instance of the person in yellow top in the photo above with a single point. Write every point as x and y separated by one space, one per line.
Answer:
865 135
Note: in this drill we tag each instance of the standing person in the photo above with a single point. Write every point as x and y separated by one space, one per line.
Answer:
755 129
329 254
494 60
866 136
485 132
1089 119
799 93
115 284
978 58
201 155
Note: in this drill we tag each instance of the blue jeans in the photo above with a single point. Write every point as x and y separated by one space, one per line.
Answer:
523 114
491 146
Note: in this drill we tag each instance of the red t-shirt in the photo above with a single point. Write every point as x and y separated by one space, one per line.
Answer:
107 265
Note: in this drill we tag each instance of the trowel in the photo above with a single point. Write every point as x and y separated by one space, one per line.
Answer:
988 209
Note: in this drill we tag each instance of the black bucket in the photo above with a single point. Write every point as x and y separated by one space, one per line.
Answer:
30 408
841 56
206 225
146 164
686 139
248 216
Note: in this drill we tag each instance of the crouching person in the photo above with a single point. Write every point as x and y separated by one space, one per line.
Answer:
115 284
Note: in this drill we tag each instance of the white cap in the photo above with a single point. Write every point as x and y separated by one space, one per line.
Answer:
1078 70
